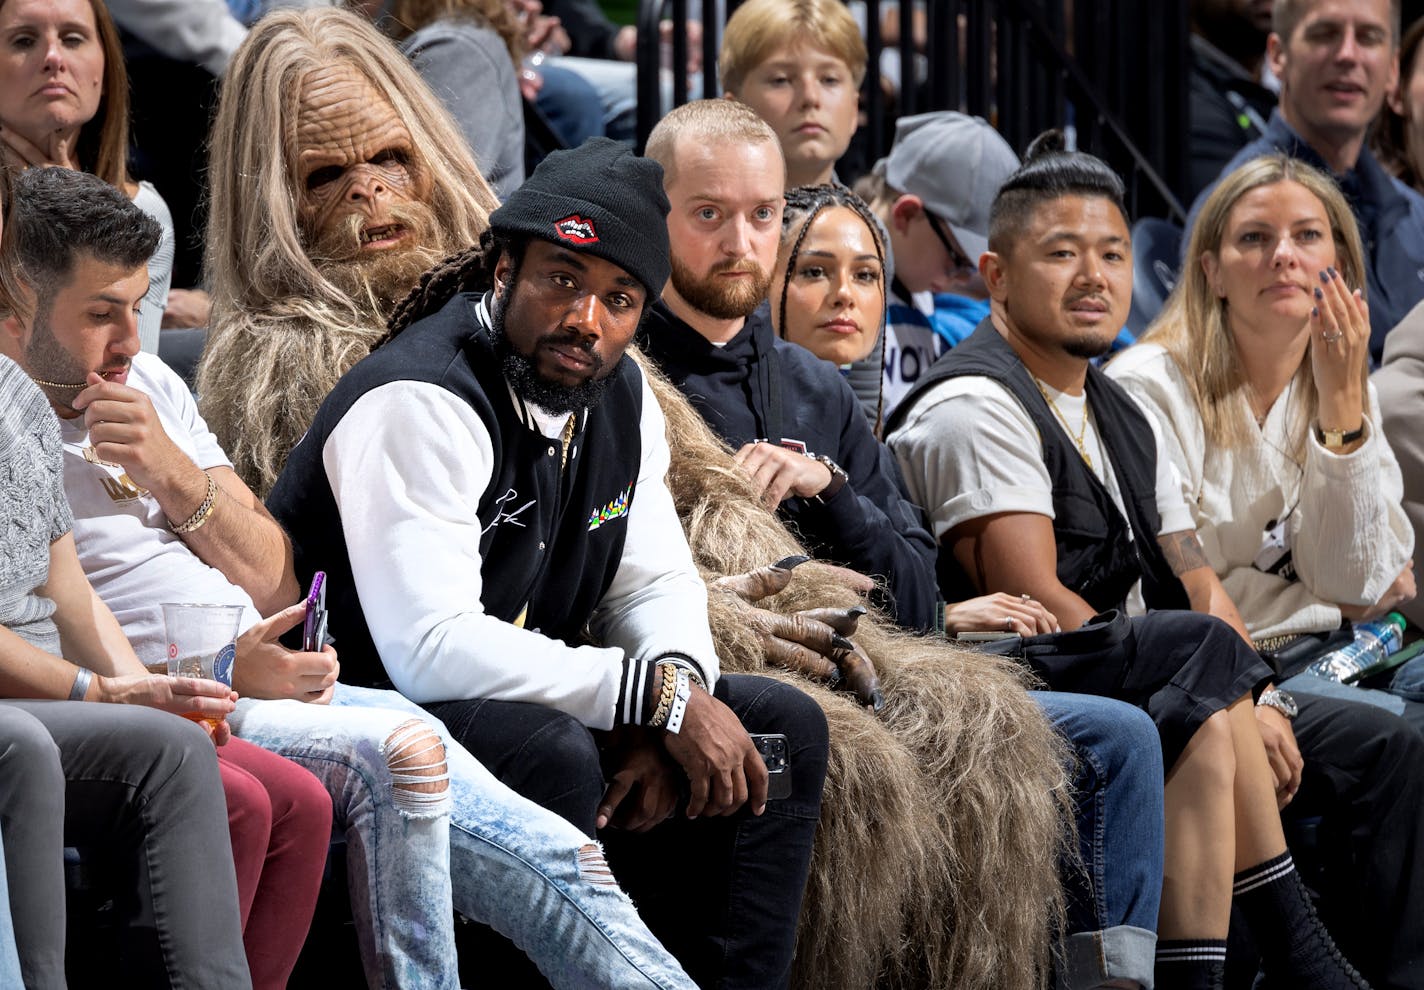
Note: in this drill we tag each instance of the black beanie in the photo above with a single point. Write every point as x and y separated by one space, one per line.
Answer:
599 199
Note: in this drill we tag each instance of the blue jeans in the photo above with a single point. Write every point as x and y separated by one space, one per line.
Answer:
1408 680
474 846
9 954
571 104
1112 912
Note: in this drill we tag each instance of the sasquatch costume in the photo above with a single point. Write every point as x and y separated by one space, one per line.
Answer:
936 863
943 818
294 308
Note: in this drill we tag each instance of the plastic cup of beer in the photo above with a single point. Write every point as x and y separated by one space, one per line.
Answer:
202 642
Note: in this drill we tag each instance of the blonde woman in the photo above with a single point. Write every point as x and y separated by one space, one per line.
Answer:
1257 370
1256 374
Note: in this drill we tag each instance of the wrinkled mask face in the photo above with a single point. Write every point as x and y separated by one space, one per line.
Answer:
362 189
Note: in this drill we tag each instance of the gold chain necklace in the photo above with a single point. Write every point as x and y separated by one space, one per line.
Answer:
1082 429
72 388
568 439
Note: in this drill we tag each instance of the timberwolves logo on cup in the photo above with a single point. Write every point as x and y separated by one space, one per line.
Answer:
576 230
222 664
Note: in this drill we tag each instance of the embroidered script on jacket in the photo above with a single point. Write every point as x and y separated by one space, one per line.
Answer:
504 515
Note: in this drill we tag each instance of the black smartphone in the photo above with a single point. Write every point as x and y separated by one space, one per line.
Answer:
776 754
314 628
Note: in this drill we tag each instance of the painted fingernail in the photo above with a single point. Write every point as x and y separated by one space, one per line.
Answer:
1324 277
857 611
787 563
841 643
1315 310
1318 293
1333 272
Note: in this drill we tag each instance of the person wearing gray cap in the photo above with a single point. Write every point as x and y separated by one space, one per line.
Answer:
933 193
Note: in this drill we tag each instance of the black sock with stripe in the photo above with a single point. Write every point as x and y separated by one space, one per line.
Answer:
1190 964
1295 948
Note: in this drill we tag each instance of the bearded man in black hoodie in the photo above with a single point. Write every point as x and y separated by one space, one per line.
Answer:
793 421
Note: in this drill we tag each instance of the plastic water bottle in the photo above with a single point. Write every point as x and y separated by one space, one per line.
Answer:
1373 642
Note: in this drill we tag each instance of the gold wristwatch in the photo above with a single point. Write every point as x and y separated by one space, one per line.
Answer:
1335 439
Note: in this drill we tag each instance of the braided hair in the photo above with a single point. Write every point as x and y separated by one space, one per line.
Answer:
803 205
468 270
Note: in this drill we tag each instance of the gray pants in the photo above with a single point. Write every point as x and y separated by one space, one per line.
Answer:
139 788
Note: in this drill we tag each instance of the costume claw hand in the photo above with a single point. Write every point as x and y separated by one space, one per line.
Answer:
813 642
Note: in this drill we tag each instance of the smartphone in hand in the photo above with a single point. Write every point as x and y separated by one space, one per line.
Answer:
776 754
314 628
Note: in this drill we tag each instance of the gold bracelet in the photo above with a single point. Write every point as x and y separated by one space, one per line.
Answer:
203 511
666 696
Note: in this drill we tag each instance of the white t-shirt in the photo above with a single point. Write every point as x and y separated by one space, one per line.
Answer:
131 557
970 450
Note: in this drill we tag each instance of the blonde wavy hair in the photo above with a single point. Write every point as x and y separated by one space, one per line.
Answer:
1193 326
282 333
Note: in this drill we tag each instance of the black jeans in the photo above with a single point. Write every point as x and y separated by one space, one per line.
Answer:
1364 779
723 894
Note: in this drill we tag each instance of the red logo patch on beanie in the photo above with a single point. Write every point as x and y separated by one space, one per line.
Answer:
576 229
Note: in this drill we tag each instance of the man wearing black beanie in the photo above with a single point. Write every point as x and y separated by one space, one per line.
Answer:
486 493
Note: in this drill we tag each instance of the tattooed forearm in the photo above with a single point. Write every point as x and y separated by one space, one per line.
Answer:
1183 551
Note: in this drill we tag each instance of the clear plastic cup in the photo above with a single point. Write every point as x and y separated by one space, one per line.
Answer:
202 642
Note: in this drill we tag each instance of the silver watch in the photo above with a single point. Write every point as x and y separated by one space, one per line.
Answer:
1281 701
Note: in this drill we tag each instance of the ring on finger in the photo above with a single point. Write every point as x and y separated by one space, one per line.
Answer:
1027 598
1330 338
1008 623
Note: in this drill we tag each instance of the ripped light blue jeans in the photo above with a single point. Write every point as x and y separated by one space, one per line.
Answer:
429 829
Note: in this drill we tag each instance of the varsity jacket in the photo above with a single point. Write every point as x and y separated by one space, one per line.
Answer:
1097 555
761 387
384 507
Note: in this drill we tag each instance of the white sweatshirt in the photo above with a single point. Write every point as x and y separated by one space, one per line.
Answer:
1338 515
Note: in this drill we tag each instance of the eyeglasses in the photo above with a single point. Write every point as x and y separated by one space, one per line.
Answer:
963 264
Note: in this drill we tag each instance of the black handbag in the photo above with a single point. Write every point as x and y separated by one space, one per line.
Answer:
1088 660
1289 655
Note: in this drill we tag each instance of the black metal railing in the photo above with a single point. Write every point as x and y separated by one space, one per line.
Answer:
1114 71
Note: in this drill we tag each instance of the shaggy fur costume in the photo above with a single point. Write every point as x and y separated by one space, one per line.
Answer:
943 821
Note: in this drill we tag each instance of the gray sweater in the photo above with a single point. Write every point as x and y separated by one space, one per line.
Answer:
33 510
468 67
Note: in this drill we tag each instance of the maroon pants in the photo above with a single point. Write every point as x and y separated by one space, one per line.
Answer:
279 817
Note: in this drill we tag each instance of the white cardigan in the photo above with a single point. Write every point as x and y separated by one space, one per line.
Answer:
1344 522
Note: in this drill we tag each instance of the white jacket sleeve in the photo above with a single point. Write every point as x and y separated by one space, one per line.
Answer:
1352 537
200 31
407 465
657 603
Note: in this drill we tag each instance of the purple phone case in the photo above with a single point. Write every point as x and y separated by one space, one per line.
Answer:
316 613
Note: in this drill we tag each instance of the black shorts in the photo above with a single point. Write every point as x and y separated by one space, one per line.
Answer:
1180 667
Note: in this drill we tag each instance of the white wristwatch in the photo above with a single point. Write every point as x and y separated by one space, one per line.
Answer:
681 694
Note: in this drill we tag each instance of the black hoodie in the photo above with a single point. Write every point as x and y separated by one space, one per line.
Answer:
758 387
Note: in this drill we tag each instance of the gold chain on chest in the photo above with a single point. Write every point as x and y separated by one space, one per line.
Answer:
1082 428
568 439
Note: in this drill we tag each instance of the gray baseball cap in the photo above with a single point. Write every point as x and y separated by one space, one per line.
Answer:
954 163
